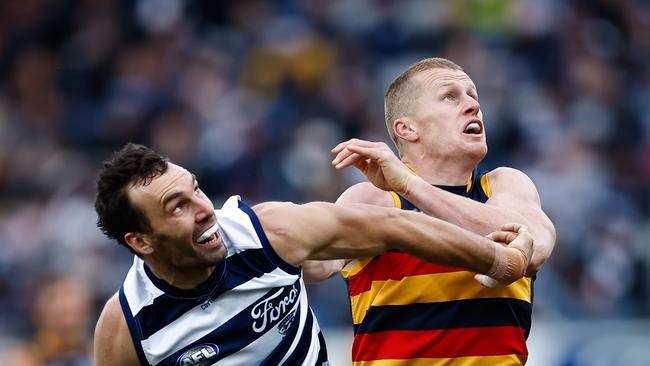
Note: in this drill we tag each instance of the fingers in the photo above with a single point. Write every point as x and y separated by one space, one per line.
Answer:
502 236
343 161
487 281
353 153
514 227
338 148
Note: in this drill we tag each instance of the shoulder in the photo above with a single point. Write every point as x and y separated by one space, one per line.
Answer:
113 344
367 193
111 315
512 182
505 176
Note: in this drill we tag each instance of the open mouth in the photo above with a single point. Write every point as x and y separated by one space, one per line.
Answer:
209 236
473 128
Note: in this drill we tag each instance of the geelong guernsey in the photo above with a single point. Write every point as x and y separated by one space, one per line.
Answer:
410 312
253 309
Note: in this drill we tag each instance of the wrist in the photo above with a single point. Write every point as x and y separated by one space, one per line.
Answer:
509 264
410 185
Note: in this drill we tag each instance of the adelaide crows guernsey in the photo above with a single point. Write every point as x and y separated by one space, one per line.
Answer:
409 312
253 309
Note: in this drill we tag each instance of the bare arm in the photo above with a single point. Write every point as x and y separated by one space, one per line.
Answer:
514 196
514 199
321 231
113 344
317 271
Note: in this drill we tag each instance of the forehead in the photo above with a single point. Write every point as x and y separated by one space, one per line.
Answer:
438 78
175 179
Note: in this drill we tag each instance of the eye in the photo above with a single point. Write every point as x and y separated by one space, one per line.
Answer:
449 97
197 191
180 206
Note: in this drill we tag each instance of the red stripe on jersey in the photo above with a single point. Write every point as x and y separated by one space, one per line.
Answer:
444 343
393 266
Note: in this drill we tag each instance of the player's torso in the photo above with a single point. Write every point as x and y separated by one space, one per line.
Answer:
409 311
253 310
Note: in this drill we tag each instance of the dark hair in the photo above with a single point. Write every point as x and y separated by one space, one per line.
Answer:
133 164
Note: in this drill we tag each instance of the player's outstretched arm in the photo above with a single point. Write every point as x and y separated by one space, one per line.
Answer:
322 231
113 344
514 196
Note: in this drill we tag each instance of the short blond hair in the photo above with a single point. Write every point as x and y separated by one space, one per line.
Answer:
401 96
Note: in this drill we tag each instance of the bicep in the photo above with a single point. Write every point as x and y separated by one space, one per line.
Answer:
366 193
320 231
513 190
318 271
112 343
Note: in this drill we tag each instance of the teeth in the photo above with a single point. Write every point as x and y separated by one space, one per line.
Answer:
473 127
208 233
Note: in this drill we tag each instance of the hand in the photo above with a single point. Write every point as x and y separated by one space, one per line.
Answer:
376 161
511 262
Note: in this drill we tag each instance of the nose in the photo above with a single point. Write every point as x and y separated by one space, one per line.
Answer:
205 210
472 106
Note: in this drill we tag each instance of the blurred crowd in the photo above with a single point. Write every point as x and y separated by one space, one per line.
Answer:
251 95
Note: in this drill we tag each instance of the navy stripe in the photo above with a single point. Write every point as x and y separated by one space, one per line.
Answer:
322 354
302 348
133 327
283 348
265 241
239 268
201 291
238 332
447 315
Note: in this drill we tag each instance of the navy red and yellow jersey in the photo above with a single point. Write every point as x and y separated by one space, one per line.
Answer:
407 311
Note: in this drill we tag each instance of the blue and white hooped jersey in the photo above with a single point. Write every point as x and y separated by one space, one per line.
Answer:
253 309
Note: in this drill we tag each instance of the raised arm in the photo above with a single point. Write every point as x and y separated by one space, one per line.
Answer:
113 344
317 271
514 196
321 231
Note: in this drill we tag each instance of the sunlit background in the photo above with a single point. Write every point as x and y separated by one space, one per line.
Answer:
251 95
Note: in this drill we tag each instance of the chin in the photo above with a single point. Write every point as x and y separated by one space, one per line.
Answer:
478 151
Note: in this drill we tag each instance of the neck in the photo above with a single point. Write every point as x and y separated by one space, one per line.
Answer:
449 171
184 279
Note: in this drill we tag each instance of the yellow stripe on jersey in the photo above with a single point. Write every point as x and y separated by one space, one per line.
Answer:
456 361
485 184
396 200
354 267
437 287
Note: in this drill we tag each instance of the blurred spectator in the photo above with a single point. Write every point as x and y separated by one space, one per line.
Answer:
62 318
254 93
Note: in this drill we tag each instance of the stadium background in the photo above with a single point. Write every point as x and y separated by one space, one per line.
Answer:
251 95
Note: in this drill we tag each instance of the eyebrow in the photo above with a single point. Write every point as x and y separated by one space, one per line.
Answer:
177 194
452 84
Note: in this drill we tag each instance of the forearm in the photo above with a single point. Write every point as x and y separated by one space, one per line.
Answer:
469 214
318 271
440 242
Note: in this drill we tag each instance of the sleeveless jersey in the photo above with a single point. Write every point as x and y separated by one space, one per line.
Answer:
407 311
253 309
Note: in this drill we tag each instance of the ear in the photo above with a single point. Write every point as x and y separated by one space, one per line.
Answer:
139 242
405 129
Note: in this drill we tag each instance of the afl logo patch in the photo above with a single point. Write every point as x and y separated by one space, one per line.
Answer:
199 355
